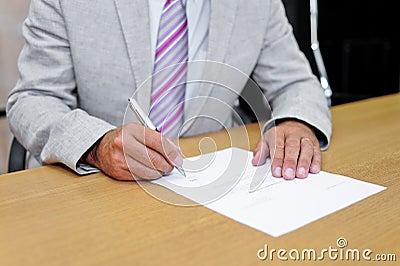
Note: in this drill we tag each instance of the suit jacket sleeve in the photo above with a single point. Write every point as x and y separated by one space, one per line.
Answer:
43 108
284 74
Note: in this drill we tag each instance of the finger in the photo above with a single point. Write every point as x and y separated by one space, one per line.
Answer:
141 172
261 152
292 149
316 162
123 175
160 144
171 152
305 157
276 143
147 156
157 162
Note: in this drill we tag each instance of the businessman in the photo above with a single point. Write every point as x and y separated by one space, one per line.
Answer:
83 59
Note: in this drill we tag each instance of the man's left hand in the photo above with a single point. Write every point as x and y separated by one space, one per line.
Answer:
293 147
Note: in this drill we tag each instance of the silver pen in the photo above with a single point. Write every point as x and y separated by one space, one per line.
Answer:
145 121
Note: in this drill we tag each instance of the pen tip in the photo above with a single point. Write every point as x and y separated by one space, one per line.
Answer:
181 171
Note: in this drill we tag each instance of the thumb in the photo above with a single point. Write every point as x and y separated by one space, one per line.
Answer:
261 152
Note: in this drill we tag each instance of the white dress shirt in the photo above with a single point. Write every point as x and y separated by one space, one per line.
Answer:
198 18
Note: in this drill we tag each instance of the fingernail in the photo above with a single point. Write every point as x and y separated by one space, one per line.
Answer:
315 168
289 173
301 171
278 171
178 161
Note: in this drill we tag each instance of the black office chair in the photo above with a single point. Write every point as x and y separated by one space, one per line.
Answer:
17 158
303 16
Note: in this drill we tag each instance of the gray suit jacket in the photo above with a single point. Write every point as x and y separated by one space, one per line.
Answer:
84 59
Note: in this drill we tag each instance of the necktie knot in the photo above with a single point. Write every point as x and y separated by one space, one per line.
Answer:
168 2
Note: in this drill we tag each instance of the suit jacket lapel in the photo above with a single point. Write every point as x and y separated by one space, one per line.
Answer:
134 20
220 30
221 24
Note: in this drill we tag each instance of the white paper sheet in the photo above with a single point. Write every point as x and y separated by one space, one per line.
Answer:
221 181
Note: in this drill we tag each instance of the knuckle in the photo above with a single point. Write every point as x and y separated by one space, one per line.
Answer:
150 140
291 153
304 162
292 143
155 160
317 160
159 163
307 144
172 155
317 153
280 145
117 141
165 167
278 129
156 142
277 155
277 161
289 161
306 153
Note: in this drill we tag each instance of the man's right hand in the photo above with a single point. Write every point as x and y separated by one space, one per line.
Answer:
134 152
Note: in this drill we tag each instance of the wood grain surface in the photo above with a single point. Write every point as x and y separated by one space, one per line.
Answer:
50 216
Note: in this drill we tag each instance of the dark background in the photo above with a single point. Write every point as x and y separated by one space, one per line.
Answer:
359 42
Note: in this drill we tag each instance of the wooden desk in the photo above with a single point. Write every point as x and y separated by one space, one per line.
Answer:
49 216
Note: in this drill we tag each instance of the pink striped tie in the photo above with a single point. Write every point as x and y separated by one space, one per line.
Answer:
168 89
